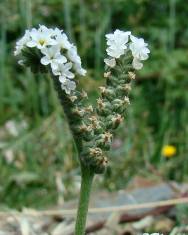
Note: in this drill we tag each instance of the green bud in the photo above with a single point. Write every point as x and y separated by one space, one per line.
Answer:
94 157
107 93
99 165
114 121
104 141
72 98
80 95
78 112
104 107
121 90
96 124
131 75
117 105
112 81
89 109
87 133
126 101
107 74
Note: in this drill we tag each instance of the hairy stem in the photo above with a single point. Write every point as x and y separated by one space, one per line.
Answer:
87 174
86 184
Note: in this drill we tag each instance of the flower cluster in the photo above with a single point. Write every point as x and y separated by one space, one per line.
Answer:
120 43
93 128
54 50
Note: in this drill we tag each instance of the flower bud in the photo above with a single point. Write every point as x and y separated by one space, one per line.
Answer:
123 89
107 93
80 95
104 108
95 123
95 152
104 141
85 131
117 105
107 74
94 157
112 81
116 120
89 109
78 112
126 100
72 98
99 164
127 87
131 75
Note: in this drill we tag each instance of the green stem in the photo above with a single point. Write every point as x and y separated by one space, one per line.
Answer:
87 174
86 183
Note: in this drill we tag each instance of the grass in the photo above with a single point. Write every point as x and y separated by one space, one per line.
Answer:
42 149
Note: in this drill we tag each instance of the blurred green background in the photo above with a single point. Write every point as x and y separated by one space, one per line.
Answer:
38 165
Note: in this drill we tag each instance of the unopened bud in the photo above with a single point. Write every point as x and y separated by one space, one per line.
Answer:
107 92
96 124
100 103
72 98
123 89
107 74
116 120
78 112
95 158
127 87
126 100
89 109
113 121
95 152
116 104
99 164
104 141
84 94
86 132
131 75
107 137
80 95
104 107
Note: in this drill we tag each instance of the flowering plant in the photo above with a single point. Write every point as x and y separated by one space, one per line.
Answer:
49 50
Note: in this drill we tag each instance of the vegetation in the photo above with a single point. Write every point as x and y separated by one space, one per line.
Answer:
35 144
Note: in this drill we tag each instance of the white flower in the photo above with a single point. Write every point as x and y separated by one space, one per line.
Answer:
75 58
52 56
62 40
137 64
41 38
118 37
63 71
68 86
56 32
117 43
139 48
44 29
21 62
22 43
115 52
78 68
110 62
73 55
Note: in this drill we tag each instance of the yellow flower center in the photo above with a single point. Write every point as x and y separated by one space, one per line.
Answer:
42 42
